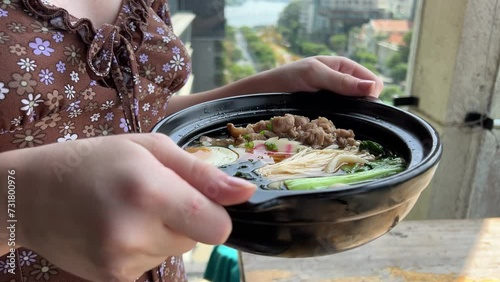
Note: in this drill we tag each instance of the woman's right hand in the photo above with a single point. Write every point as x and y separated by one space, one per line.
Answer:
111 208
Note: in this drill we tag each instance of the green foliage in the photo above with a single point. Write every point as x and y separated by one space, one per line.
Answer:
338 43
398 73
389 92
312 49
233 71
238 72
289 25
262 53
365 58
398 63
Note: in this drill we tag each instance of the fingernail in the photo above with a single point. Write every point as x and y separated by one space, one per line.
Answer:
239 183
365 85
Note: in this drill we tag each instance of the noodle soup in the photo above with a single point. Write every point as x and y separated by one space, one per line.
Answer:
292 152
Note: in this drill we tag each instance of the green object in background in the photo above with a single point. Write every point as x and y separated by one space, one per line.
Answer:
223 265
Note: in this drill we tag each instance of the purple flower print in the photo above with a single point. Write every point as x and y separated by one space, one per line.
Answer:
160 30
41 47
176 50
58 37
3 13
93 83
61 67
143 58
123 124
136 107
46 76
109 116
126 9
27 258
166 67
148 36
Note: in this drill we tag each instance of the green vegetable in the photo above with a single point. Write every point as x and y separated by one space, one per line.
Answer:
249 145
372 147
372 170
263 132
269 126
246 137
271 146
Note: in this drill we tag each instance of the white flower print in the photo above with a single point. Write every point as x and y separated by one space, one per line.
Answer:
31 103
132 26
27 258
67 137
156 18
3 90
73 106
74 76
177 63
166 39
16 121
109 104
151 88
27 64
95 117
75 113
145 107
69 90
159 79
137 79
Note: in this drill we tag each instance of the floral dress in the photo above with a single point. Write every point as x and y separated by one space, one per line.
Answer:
62 80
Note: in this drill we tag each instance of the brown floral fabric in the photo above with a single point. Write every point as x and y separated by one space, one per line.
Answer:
61 80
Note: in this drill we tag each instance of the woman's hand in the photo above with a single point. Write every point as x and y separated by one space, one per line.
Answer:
111 208
336 74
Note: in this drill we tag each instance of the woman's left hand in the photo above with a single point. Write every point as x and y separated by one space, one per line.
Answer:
336 74
332 73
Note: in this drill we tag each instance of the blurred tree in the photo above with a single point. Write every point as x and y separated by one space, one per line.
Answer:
398 73
289 25
338 43
389 92
312 49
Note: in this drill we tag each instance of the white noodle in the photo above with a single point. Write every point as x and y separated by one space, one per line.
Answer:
312 162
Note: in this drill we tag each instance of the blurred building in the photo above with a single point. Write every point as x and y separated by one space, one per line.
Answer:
382 37
321 18
201 26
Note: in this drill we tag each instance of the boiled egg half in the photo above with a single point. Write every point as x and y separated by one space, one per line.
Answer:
217 156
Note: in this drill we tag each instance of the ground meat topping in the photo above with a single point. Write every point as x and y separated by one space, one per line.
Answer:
318 133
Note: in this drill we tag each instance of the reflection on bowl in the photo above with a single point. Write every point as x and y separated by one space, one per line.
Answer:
320 222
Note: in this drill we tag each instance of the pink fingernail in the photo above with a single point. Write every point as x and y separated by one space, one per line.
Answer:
239 183
366 85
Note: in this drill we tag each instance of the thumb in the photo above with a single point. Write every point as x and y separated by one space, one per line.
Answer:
209 180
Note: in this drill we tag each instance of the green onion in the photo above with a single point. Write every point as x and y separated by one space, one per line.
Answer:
313 183
271 146
249 145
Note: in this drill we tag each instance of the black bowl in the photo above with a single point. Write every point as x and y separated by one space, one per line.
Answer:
313 223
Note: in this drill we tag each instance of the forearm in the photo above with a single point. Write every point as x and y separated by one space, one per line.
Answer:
260 83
